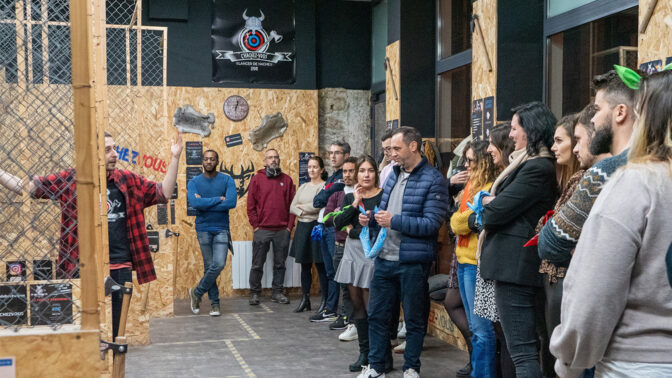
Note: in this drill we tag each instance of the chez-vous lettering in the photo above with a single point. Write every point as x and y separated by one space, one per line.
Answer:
131 156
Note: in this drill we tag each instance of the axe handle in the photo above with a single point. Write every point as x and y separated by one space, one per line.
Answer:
647 16
125 304
145 300
485 47
119 364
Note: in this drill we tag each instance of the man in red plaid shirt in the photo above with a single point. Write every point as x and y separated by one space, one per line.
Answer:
128 194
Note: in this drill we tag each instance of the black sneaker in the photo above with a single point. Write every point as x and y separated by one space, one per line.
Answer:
464 372
323 316
339 323
279 298
254 299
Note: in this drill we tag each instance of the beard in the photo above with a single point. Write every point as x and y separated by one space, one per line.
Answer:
601 143
210 171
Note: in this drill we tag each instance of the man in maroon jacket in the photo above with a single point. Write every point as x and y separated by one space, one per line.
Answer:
268 199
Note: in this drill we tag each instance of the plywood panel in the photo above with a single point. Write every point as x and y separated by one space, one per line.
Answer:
442 327
58 354
484 82
392 81
655 43
299 109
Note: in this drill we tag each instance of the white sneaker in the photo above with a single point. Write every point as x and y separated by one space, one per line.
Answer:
399 349
350 333
367 372
402 332
411 373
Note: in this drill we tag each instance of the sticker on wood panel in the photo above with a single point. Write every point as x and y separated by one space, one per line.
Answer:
477 119
16 271
43 270
50 304
488 116
233 140
241 176
153 238
162 213
13 305
194 153
172 211
651 67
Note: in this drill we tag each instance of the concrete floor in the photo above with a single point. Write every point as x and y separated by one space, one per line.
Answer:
261 341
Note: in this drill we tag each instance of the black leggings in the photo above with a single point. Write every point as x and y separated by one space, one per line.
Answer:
307 278
360 302
452 302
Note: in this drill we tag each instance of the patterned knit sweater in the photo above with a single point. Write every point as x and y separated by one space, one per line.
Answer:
559 236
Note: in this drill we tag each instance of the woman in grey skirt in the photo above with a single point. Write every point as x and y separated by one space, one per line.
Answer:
305 250
355 269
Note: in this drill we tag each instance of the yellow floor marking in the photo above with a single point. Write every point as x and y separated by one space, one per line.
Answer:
240 359
247 327
200 341
265 308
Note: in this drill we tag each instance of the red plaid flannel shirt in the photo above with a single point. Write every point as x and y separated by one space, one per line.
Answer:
139 192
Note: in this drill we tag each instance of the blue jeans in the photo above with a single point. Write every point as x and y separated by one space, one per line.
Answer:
214 248
518 308
327 247
392 278
482 333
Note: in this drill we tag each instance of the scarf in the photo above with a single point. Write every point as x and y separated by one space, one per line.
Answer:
517 158
463 240
273 172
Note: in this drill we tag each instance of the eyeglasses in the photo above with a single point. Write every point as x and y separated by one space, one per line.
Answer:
469 161
335 153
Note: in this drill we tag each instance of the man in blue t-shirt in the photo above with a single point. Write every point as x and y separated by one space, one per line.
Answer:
212 193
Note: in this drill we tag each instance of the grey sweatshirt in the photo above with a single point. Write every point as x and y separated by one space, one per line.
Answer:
616 304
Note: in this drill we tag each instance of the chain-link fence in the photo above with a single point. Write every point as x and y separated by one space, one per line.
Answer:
39 265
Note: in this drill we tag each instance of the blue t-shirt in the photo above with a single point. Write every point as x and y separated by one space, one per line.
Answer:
213 213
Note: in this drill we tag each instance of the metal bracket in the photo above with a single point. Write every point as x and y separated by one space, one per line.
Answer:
116 348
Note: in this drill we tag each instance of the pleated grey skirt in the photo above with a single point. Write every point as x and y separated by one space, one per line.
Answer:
354 268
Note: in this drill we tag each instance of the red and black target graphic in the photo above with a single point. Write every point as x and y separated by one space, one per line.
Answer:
254 40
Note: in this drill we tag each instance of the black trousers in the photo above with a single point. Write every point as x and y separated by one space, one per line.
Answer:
120 276
261 243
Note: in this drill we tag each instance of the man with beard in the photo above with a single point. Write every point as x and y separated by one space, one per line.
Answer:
270 194
613 122
583 133
212 194
128 194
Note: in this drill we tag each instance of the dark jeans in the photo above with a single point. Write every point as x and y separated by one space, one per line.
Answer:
346 302
214 248
261 243
120 276
518 311
391 278
307 277
327 247
553 302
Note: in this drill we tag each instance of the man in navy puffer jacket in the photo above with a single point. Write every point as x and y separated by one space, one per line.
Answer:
414 205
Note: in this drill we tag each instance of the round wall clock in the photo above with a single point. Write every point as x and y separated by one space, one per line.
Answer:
236 108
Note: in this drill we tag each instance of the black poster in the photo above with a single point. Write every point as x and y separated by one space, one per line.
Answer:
43 270
303 167
253 41
488 116
162 213
194 152
174 196
13 305
16 271
651 67
191 173
477 119
172 211
50 304
153 238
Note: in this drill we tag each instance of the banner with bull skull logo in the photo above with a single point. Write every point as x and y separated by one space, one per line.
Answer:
253 41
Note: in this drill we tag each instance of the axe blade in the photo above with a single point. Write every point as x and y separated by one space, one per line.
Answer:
111 285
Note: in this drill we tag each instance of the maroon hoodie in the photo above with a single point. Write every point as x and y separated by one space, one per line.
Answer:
268 201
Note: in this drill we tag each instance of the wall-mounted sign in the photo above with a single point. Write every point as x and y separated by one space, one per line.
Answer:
16 271
162 213
153 238
233 140
477 119
651 67
43 270
303 167
488 116
172 211
191 173
253 41
194 153
13 305
50 304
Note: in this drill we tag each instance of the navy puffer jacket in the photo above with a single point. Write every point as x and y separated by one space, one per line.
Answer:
423 210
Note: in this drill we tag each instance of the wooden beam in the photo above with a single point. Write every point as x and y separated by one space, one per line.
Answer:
86 156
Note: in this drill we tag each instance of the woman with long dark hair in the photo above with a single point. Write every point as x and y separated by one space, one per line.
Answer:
481 171
355 269
305 250
521 194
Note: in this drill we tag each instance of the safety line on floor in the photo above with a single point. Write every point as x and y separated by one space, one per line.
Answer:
240 359
265 308
201 341
247 327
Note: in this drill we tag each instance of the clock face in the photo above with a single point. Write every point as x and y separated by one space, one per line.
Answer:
236 108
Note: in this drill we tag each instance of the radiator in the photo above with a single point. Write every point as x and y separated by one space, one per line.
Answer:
242 262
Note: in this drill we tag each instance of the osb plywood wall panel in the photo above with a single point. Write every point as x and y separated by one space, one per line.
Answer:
484 82
392 81
299 109
655 43
66 354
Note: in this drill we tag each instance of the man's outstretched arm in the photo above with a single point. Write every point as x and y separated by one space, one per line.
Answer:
168 183
14 183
